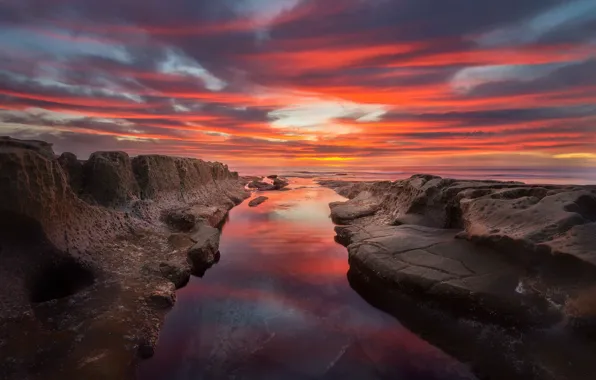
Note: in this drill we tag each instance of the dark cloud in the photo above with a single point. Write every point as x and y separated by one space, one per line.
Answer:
180 74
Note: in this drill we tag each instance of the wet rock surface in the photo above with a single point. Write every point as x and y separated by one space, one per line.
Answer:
505 253
91 254
257 201
275 183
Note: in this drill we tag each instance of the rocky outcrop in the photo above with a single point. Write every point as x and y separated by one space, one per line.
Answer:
73 168
498 260
521 233
452 273
362 205
280 183
276 184
205 250
95 249
109 180
257 201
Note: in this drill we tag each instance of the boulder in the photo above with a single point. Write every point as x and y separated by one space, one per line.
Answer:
186 219
178 272
273 176
163 297
361 206
280 183
205 252
257 201
261 186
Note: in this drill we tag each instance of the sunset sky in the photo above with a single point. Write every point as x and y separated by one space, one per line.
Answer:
364 84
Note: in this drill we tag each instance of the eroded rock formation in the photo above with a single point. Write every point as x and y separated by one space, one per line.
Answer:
524 231
500 253
91 253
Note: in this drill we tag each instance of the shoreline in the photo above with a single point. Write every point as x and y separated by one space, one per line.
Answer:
497 253
93 252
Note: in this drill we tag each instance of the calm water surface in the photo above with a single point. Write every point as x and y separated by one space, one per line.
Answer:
278 306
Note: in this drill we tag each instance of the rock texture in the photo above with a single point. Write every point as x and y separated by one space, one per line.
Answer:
257 201
498 274
522 251
91 254
277 183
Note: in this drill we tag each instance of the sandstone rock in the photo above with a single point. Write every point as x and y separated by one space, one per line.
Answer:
280 183
163 297
455 274
204 253
560 224
180 240
273 176
41 147
109 179
520 219
178 272
100 261
73 169
157 176
262 186
529 246
257 201
362 205
186 219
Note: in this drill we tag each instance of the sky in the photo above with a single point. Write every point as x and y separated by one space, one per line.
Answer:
363 84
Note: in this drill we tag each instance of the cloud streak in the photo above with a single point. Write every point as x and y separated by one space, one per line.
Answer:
305 83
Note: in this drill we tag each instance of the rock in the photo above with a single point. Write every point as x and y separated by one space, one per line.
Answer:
180 240
41 147
560 224
109 179
345 212
204 253
523 220
163 297
186 219
74 170
257 201
273 176
455 274
178 272
100 260
261 186
157 176
145 349
280 183
526 247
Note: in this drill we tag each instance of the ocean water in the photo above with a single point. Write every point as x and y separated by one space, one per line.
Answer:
278 305
530 175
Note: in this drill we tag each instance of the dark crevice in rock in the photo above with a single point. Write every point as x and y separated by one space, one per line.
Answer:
59 278
454 218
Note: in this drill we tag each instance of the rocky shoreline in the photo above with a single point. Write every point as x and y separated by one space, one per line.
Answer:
91 253
509 255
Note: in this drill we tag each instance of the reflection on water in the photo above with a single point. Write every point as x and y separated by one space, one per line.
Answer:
278 306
